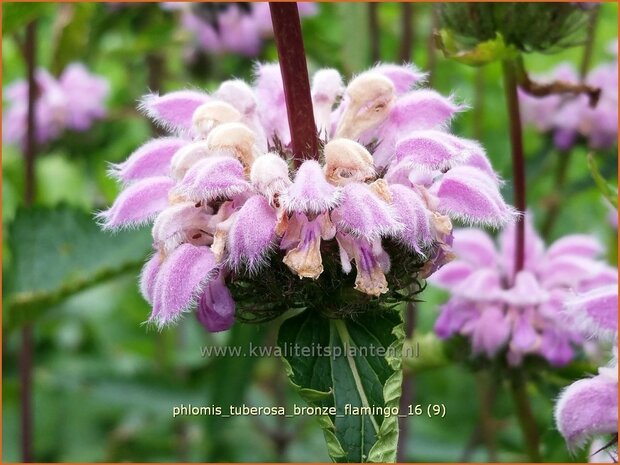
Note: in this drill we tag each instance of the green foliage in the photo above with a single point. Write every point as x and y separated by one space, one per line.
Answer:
350 370
17 15
58 252
539 27
105 384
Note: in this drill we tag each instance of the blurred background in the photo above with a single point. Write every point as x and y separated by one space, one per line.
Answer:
104 385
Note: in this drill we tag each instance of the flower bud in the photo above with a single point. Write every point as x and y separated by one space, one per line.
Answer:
210 114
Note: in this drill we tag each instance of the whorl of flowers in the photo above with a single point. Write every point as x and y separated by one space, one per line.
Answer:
522 314
230 27
73 101
231 204
589 407
569 117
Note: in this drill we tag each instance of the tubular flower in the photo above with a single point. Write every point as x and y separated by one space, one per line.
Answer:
570 117
588 408
231 211
74 101
230 28
520 314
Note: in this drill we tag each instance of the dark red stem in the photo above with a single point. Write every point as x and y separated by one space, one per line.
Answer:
25 355
290 45
518 159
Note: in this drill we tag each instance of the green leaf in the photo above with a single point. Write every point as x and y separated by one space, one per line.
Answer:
356 362
59 251
482 54
17 15
609 191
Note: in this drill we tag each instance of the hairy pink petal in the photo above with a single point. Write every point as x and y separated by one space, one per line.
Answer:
152 159
212 178
524 335
432 150
138 203
490 332
534 247
567 270
174 110
363 214
469 195
412 213
576 244
216 308
271 105
556 346
451 274
252 234
179 223
310 191
526 291
180 280
481 285
598 307
454 315
148 277
404 77
414 111
587 408
422 109
474 246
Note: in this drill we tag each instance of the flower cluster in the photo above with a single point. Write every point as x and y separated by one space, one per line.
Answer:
569 117
589 407
228 196
230 28
73 101
520 313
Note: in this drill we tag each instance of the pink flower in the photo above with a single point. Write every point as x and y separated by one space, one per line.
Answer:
220 28
570 117
227 200
74 101
522 314
588 408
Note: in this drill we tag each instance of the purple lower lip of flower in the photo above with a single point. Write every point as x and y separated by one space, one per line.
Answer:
453 317
555 347
216 307
302 240
587 408
524 336
490 332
